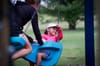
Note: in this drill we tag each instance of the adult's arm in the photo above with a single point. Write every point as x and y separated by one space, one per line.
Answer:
36 30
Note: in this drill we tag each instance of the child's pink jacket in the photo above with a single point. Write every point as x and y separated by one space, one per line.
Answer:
53 38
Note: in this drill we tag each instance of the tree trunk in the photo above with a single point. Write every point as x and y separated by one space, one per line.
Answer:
72 26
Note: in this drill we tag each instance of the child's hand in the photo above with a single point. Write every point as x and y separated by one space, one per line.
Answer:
58 27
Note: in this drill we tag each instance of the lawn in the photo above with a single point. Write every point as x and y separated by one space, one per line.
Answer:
73 46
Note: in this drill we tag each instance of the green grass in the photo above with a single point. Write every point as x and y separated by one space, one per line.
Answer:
73 46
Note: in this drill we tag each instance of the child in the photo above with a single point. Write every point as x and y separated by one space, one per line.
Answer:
54 33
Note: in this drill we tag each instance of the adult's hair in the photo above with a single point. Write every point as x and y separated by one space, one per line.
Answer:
33 1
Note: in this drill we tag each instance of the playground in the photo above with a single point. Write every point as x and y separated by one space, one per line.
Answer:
73 43
79 40
73 46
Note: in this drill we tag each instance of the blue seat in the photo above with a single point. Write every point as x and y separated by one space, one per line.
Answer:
32 57
17 42
55 49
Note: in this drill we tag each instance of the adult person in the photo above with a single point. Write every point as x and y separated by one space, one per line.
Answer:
22 13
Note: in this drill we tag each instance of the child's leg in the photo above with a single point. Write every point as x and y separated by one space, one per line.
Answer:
24 51
39 58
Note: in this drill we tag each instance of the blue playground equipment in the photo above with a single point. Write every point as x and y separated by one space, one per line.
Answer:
17 42
55 49
89 36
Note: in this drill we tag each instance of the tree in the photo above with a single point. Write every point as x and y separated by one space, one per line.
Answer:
73 11
70 10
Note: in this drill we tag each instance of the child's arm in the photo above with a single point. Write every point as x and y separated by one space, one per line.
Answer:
60 33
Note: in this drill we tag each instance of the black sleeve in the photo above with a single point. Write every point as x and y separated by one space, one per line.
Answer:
36 29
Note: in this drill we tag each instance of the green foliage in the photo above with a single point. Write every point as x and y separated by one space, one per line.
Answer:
70 10
73 10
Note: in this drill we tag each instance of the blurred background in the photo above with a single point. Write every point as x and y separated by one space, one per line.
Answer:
69 14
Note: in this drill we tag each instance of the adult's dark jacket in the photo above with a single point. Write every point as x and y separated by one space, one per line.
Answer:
21 14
